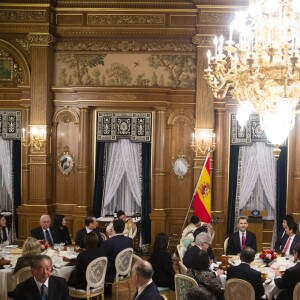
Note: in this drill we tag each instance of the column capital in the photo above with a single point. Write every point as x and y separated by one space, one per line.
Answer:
203 40
39 39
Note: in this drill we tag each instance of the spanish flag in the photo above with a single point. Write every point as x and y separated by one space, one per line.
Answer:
202 194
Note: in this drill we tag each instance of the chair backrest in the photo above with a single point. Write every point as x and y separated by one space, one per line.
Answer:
296 292
186 241
183 284
182 267
23 274
95 273
238 289
181 251
123 263
225 245
133 233
103 236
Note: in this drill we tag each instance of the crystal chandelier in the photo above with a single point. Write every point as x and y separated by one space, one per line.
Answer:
261 71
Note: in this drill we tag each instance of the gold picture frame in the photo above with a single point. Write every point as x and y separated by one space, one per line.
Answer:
65 162
180 165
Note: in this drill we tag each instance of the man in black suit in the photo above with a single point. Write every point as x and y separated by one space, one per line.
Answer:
290 278
292 239
241 238
45 231
245 272
281 235
77 279
42 285
142 277
90 225
111 248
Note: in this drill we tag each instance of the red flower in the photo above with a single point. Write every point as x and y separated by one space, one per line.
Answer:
44 244
268 255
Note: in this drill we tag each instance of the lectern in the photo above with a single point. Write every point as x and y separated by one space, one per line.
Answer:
256 224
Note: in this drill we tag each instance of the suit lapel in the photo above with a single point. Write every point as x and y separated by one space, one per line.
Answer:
34 291
52 289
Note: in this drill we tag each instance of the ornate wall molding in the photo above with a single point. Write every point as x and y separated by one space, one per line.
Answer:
24 44
7 15
203 40
10 124
209 17
39 39
182 117
66 116
126 19
114 125
126 46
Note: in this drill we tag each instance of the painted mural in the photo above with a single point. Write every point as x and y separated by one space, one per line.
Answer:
138 70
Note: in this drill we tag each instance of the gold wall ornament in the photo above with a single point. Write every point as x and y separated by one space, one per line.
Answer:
36 137
20 16
65 162
203 141
180 165
39 39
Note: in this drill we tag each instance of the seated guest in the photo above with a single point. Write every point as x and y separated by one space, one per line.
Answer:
4 236
77 279
44 231
204 276
31 248
240 239
111 248
42 285
281 235
202 242
245 272
129 229
290 278
161 262
200 293
141 276
195 223
61 230
90 225
288 247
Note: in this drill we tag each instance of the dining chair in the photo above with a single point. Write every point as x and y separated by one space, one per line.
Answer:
123 267
95 275
183 284
181 251
238 289
104 237
186 241
182 267
23 274
225 245
296 292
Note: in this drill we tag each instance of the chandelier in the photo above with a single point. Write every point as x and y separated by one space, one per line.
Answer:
261 71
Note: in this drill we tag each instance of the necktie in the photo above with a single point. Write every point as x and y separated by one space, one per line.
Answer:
48 238
43 292
243 240
287 245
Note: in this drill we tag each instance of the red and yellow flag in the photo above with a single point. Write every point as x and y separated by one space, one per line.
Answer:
202 195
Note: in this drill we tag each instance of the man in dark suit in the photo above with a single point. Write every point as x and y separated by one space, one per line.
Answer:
245 272
90 225
290 278
142 277
111 248
241 238
77 279
281 235
292 239
42 285
45 231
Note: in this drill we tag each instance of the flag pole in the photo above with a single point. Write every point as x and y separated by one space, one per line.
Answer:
192 200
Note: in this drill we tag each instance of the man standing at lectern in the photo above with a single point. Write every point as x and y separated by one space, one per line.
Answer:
238 240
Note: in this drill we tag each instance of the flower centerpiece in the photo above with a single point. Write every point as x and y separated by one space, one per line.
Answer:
44 245
268 255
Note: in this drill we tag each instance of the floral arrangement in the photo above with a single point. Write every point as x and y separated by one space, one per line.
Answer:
268 255
44 244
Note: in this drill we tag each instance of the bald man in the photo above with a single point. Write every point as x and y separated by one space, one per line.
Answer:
142 272
44 231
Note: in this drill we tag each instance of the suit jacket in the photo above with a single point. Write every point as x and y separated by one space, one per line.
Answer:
80 235
287 282
38 233
295 241
57 289
190 252
245 272
22 262
234 243
77 278
149 293
281 239
62 235
110 249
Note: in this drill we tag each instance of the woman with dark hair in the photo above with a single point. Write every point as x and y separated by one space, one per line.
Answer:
4 236
61 230
204 276
161 262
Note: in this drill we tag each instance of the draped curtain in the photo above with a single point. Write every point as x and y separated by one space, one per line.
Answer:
6 165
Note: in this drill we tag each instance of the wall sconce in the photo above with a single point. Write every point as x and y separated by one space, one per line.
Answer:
203 141
37 137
